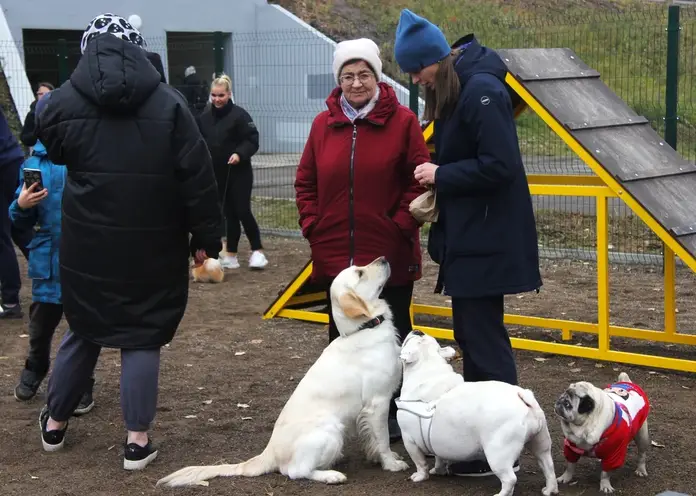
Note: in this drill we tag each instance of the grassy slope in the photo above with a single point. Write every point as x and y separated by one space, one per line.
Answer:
623 40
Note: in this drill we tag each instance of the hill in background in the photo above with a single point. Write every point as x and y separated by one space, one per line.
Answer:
624 40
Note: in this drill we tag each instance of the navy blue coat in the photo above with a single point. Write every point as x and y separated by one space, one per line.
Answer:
485 239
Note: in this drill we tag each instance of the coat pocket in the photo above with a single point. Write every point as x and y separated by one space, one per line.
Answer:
40 257
475 227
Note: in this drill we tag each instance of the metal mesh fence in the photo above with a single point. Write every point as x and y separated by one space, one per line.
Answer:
283 78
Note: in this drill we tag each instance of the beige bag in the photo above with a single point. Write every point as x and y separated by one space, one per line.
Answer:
424 208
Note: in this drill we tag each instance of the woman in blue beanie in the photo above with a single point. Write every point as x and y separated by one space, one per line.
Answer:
485 239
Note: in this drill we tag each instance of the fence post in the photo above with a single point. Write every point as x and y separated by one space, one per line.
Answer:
62 61
413 96
671 121
218 51
671 94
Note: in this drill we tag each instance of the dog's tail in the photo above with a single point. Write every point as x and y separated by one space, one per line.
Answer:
198 475
528 398
623 377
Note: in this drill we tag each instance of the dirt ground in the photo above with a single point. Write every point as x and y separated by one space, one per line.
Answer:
233 372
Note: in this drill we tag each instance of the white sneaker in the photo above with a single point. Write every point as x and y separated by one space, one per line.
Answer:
229 262
257 260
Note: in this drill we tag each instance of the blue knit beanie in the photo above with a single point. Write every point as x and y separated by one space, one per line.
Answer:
419 43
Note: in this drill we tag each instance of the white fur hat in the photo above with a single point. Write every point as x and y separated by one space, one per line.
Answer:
362 49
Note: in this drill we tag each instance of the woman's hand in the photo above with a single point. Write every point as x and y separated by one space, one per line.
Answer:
29 198
425 173
200 256
234 159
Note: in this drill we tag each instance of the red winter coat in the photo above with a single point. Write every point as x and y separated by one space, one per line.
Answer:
354 184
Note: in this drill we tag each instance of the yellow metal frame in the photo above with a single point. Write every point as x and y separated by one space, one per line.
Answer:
601 187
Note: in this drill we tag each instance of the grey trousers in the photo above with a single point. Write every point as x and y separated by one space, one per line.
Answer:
72 369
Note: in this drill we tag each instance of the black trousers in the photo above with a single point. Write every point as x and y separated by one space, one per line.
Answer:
43 321
399 300
481 334
10 280
236 205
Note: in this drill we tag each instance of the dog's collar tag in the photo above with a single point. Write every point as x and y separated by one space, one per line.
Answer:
371 324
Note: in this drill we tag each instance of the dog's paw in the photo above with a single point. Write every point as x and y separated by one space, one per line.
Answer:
605 486
330 477
439 470
641 471
548 491
419 476
394 465
565 478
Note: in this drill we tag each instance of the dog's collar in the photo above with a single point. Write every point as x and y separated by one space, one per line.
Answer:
371 324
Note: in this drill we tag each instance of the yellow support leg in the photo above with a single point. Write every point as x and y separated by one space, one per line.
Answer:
603 274
670 299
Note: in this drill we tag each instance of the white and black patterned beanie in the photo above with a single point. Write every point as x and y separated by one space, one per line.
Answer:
116 25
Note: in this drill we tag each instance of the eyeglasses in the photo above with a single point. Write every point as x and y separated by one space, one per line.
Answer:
349 79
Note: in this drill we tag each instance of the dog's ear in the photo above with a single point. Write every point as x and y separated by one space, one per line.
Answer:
353 306
447 352
586 405
408 356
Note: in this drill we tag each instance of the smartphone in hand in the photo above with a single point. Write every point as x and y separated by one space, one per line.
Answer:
32 176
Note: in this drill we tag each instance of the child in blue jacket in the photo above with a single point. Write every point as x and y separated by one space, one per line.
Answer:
41 210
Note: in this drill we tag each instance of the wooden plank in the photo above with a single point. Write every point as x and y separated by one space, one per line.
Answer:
669 199
580 101
632 153
542 64
605 123
688 242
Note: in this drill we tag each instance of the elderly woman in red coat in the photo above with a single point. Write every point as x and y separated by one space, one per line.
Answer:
355 182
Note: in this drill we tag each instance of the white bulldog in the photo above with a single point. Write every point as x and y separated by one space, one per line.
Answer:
441 415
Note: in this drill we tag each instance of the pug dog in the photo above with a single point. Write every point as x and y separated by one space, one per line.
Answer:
600 423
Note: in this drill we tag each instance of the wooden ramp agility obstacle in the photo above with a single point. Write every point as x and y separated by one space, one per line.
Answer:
630 161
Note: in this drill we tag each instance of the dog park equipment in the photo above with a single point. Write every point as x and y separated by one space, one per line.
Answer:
630 161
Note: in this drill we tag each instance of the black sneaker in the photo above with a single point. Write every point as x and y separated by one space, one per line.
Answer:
138 457
51 440
29 382
394 430
87 402
475 468
14 312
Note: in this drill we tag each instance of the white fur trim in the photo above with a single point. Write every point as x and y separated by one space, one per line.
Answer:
361 48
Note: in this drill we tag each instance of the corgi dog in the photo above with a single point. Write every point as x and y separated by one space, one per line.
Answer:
209 271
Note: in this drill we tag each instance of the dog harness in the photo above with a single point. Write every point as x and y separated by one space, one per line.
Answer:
631 408
424 412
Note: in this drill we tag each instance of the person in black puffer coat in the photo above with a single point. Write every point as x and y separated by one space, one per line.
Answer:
140 179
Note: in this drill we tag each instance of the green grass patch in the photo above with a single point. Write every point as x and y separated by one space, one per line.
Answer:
625 40
556 229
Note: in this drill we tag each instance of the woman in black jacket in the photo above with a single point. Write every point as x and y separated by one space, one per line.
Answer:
28 135
140 180
233 139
